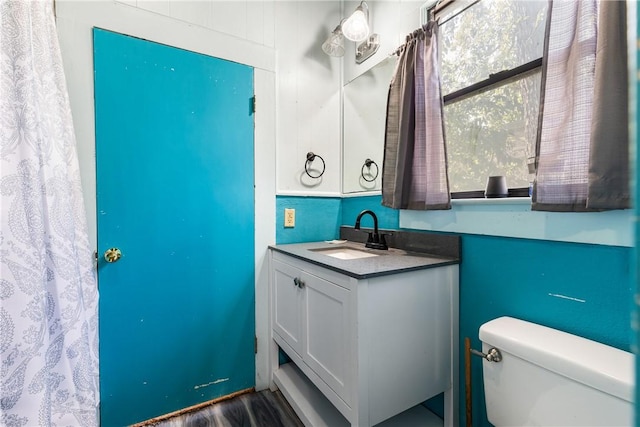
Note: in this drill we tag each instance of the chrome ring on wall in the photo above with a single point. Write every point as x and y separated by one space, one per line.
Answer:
310 158
367 164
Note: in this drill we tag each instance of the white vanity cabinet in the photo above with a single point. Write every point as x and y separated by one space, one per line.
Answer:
370 347
311 315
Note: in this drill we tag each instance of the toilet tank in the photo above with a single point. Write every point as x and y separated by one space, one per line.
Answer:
552 378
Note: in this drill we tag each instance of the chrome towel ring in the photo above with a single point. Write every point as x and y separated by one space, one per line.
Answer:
310 158
367 164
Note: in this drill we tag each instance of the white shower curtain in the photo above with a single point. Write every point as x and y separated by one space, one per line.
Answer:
48 295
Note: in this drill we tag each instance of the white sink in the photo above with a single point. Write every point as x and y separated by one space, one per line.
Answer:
345 253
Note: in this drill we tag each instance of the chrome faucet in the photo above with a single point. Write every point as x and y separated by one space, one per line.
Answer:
375 240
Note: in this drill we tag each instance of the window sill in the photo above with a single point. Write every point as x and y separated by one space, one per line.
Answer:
513 217
495 201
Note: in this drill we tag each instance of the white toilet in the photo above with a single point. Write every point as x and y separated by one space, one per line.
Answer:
551 378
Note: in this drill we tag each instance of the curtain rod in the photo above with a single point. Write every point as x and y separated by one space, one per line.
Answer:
441 5
424 29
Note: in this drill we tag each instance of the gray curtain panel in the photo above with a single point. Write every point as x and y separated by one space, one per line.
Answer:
399 132
583 147
609 151
414 172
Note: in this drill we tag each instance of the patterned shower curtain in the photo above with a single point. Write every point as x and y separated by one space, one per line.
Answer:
48 294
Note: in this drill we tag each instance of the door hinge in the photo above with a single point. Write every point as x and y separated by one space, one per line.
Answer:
253 104
255 344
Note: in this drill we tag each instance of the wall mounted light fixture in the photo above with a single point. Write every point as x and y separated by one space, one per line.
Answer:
355 28
334 45
367 48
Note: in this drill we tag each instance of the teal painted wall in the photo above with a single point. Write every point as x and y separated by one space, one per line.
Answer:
320 218
518 277
526 279
317 219
636 253
352 206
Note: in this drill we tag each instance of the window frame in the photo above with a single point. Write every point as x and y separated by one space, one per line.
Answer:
494 81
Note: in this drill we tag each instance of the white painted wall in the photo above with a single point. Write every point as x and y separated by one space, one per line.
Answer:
239 31
244 19
309 97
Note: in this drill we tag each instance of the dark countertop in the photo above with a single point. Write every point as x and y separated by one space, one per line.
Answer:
388 262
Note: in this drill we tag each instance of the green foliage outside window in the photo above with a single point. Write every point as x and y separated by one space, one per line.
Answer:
491 132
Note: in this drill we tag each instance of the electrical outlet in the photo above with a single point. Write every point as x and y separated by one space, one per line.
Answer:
289 217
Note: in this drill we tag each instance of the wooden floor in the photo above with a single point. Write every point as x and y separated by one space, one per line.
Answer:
257 409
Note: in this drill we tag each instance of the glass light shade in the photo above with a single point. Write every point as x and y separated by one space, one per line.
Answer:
356 27
334 45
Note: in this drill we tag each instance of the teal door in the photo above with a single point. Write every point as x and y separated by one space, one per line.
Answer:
175 194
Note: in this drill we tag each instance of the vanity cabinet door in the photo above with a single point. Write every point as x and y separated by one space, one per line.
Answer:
288 299
327 350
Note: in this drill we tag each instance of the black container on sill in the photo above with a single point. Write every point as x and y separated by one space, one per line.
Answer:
496 187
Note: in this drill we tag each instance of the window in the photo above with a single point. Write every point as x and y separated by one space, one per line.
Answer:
491 57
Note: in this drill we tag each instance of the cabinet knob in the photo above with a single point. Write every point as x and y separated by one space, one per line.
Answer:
299 283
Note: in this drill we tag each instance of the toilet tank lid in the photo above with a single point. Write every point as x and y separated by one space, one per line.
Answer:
597 365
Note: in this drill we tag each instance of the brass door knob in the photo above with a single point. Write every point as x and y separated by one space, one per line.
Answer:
112 254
